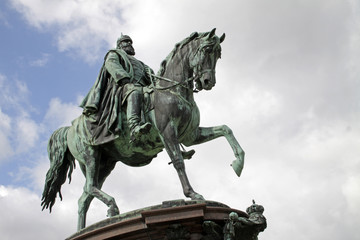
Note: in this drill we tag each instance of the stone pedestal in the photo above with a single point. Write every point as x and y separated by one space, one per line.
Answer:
179 219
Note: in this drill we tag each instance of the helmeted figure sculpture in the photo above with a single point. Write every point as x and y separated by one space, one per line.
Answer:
241 228
119 83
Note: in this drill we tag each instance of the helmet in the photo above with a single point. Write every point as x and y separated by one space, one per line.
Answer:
255 208
123 38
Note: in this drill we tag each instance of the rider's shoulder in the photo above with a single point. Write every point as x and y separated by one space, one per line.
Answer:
115 53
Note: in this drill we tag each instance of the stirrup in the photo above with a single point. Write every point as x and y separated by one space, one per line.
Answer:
138 130
187 154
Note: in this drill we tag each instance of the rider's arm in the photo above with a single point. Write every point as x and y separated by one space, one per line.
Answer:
114 67
148 71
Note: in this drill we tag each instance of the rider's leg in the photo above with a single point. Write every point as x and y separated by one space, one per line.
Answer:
133 112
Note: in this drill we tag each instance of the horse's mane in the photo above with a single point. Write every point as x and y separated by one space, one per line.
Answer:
179 45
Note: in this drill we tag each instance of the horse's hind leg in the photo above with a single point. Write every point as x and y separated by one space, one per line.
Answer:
86 198
93 184
84 203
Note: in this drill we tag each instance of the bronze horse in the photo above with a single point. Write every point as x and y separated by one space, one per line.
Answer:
175 118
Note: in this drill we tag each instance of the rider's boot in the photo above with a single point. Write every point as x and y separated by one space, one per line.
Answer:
134 106
187 154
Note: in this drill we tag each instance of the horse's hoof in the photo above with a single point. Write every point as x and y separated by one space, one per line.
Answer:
238 166
113 211
196 196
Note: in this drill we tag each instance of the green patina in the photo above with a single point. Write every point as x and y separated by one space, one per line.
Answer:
130 115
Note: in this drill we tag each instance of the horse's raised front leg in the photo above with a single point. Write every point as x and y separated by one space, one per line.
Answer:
210 133
172 147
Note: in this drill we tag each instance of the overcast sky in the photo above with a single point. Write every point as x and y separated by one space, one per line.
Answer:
288 85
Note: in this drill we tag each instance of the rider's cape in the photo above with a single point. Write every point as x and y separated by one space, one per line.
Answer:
101 118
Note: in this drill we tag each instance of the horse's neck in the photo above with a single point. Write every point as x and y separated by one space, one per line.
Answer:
178 68
179 71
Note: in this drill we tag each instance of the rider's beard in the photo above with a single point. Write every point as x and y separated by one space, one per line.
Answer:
129 50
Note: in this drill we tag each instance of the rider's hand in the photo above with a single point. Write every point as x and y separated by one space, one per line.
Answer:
148 71
124 81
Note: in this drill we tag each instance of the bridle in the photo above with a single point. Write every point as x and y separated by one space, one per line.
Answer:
197 70
182 83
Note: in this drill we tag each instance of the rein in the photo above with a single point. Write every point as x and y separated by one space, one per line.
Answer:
172 81
177 83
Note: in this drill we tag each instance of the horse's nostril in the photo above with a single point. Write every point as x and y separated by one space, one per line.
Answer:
206 81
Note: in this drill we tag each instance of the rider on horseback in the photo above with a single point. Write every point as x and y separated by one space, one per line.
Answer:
119 83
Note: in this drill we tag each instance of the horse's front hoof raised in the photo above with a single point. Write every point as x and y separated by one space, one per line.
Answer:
238 166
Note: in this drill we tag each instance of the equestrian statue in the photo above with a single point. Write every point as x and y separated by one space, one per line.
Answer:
130 115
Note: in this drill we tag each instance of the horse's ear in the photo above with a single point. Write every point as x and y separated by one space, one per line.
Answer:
212 33
194 35
222 38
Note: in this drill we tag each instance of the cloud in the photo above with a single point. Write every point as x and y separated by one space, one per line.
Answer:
22 204
80 27
41 62
5 147
352 193
18 132
3 19
27 134
287 84
22 208
61 114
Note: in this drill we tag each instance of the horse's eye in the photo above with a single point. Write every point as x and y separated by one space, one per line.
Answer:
207 49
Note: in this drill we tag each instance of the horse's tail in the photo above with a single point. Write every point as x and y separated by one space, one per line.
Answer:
61 162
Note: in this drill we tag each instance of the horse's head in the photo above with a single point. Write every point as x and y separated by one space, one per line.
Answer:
203 60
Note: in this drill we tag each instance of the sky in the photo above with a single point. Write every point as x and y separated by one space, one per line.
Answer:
287 85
